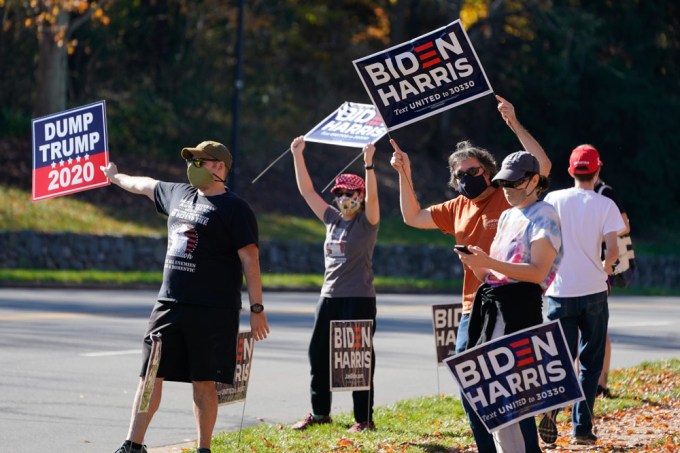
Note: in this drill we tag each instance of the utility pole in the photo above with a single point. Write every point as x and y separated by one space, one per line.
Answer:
236 97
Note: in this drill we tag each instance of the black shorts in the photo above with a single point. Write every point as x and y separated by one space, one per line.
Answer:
198 342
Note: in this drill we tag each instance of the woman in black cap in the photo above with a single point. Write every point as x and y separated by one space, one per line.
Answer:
522 262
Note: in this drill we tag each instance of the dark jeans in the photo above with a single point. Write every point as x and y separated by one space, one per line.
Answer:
338 309
588 314
483 438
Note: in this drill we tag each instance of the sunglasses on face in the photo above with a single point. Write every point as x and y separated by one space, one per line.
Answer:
198 163
345 193
512 184
472 171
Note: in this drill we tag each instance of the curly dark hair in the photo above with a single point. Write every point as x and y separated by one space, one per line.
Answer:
466 150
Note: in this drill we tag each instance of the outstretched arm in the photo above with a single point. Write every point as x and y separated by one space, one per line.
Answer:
141 185
529 143
371 199
411 211
304 182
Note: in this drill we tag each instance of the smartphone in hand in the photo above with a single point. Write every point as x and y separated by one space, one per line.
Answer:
463 249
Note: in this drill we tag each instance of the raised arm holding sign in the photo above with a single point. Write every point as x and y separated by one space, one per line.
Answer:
347 293
352 124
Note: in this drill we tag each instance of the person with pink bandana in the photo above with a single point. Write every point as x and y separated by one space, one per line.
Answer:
347 292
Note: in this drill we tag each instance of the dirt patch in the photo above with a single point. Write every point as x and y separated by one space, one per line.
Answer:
651 427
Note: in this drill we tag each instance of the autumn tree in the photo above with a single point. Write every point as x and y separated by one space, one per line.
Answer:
53 22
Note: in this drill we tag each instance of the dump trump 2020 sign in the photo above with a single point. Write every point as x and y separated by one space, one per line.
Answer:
68 149
422 77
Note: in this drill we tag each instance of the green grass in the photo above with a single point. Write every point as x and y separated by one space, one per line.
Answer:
636 291
663 244
303 282
79 277
434 424
394 231
304 229
66 214
426 424
649 382
310 282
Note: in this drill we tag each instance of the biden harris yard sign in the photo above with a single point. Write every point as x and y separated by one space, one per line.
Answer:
445 321
68 149
227 394
422 77
351 355
518 375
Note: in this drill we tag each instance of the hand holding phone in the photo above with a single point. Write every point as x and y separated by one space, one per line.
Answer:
462 249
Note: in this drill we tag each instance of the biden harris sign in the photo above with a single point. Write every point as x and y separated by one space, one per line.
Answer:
422 77
352 124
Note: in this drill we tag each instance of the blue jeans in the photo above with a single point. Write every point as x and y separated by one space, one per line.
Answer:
483 438
589 315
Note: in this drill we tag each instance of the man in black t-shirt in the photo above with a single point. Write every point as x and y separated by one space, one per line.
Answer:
212 244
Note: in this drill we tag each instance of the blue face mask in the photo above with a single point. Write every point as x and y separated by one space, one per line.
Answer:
472 186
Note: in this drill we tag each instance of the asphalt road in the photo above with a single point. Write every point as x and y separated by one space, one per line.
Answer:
69 361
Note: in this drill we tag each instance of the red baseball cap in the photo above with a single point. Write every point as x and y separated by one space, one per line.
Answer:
584 159
348 181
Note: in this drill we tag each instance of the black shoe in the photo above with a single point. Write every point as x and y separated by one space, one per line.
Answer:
128 448
203 450
603 391
586 439
547 428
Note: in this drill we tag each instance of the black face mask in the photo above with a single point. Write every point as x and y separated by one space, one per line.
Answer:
472 186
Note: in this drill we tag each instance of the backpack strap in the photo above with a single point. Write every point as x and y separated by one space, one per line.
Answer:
602 188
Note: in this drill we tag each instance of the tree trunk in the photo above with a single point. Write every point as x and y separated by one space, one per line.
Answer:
397 21
52 69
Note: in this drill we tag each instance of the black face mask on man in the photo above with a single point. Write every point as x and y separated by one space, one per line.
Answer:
472 186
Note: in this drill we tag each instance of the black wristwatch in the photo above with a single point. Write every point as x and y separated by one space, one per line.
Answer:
256 308
369 167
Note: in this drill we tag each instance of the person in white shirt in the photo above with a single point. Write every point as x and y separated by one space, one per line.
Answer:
578 294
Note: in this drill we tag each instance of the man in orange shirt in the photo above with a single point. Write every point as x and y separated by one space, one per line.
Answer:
471 218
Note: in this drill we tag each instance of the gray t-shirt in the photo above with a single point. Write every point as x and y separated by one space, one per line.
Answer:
348 255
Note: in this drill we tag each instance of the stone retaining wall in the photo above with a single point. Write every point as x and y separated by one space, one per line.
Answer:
28 249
